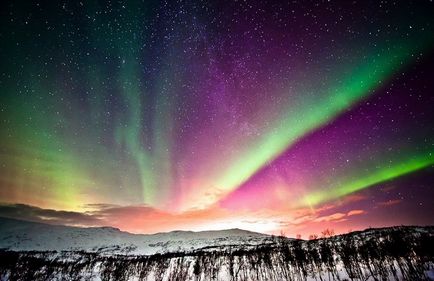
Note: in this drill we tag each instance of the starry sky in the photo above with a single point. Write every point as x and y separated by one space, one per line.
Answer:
273 116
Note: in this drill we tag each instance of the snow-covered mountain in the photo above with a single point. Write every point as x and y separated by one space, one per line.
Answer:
18 235
34 251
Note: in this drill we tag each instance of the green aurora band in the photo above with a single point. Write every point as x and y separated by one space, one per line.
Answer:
61 145
305 115
380 175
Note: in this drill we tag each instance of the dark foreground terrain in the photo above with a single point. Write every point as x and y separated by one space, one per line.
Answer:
397 253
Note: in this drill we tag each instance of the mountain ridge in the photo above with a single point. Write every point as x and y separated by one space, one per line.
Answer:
394 253
20 235
2 219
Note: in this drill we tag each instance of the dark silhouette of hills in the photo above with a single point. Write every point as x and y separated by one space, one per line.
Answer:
394 253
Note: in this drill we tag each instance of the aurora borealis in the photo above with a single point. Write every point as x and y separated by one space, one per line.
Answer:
265 115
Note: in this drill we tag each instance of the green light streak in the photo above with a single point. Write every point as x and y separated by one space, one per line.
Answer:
376 177
162 141
315 108
146 144
151 152
129 131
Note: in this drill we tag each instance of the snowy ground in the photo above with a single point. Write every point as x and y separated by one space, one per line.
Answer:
34 251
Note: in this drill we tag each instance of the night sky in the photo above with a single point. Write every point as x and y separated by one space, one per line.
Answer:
271 116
